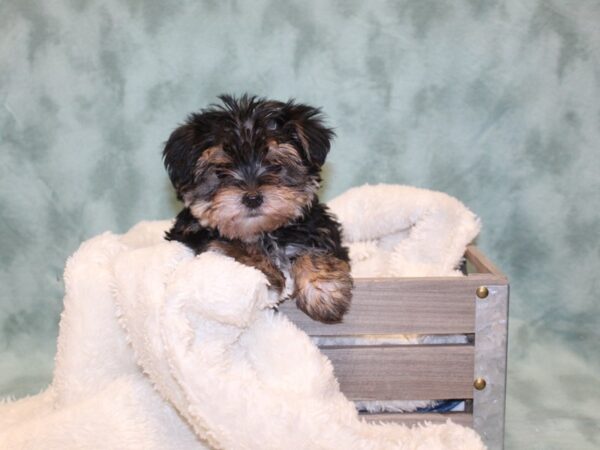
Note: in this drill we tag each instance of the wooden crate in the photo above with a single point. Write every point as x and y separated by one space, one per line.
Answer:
384 307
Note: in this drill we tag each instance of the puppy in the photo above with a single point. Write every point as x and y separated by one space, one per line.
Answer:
247 171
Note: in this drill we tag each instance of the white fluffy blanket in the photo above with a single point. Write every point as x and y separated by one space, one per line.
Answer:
159 349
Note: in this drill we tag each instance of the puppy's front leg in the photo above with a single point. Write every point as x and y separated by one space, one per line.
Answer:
322 285
251 256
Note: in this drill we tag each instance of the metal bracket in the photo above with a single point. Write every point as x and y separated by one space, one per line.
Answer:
489 393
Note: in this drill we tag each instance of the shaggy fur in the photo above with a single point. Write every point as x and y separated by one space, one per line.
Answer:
318 280
248 171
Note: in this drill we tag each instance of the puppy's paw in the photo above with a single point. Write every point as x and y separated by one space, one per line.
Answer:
323 286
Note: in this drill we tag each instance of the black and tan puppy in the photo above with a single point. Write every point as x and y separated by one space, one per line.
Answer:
247 171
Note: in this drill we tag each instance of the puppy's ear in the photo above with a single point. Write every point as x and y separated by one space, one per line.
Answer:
183 149
179 156
310 131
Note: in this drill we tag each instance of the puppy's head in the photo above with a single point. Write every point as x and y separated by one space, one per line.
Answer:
248 165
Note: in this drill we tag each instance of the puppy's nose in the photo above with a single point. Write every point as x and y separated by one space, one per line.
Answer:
252 200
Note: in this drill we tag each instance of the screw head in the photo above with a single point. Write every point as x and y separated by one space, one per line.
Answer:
482 292
479 384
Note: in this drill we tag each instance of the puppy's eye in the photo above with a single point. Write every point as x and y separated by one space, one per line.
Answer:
221 174
276 167
271 124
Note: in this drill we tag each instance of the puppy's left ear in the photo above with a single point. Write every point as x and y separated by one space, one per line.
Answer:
310 131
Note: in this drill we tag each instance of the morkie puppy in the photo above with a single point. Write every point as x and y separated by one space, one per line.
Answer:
248 171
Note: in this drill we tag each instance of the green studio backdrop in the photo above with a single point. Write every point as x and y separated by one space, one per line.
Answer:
494 102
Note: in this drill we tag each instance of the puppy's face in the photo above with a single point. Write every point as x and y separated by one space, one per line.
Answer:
248 166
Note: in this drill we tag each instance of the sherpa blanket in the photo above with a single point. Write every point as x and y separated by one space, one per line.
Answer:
161 349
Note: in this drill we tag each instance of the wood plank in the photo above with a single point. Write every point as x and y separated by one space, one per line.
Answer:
432 305
482 263
465 419
413 372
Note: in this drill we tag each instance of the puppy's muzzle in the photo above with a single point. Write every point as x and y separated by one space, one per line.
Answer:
252 200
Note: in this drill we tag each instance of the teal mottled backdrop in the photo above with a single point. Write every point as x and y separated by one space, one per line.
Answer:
495 102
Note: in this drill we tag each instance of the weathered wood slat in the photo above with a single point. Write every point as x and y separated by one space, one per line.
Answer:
482 263
433 305
465 419
402 305
415 372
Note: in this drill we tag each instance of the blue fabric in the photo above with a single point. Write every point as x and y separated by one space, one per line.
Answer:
441 406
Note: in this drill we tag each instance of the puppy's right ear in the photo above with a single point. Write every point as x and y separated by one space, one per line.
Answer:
180 154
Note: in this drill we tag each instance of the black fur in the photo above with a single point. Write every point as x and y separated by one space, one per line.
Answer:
259 148
244 126
317 230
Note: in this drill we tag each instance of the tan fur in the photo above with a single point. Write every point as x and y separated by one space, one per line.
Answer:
283 153
214 156
234 221
323 286
251 255
198 208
